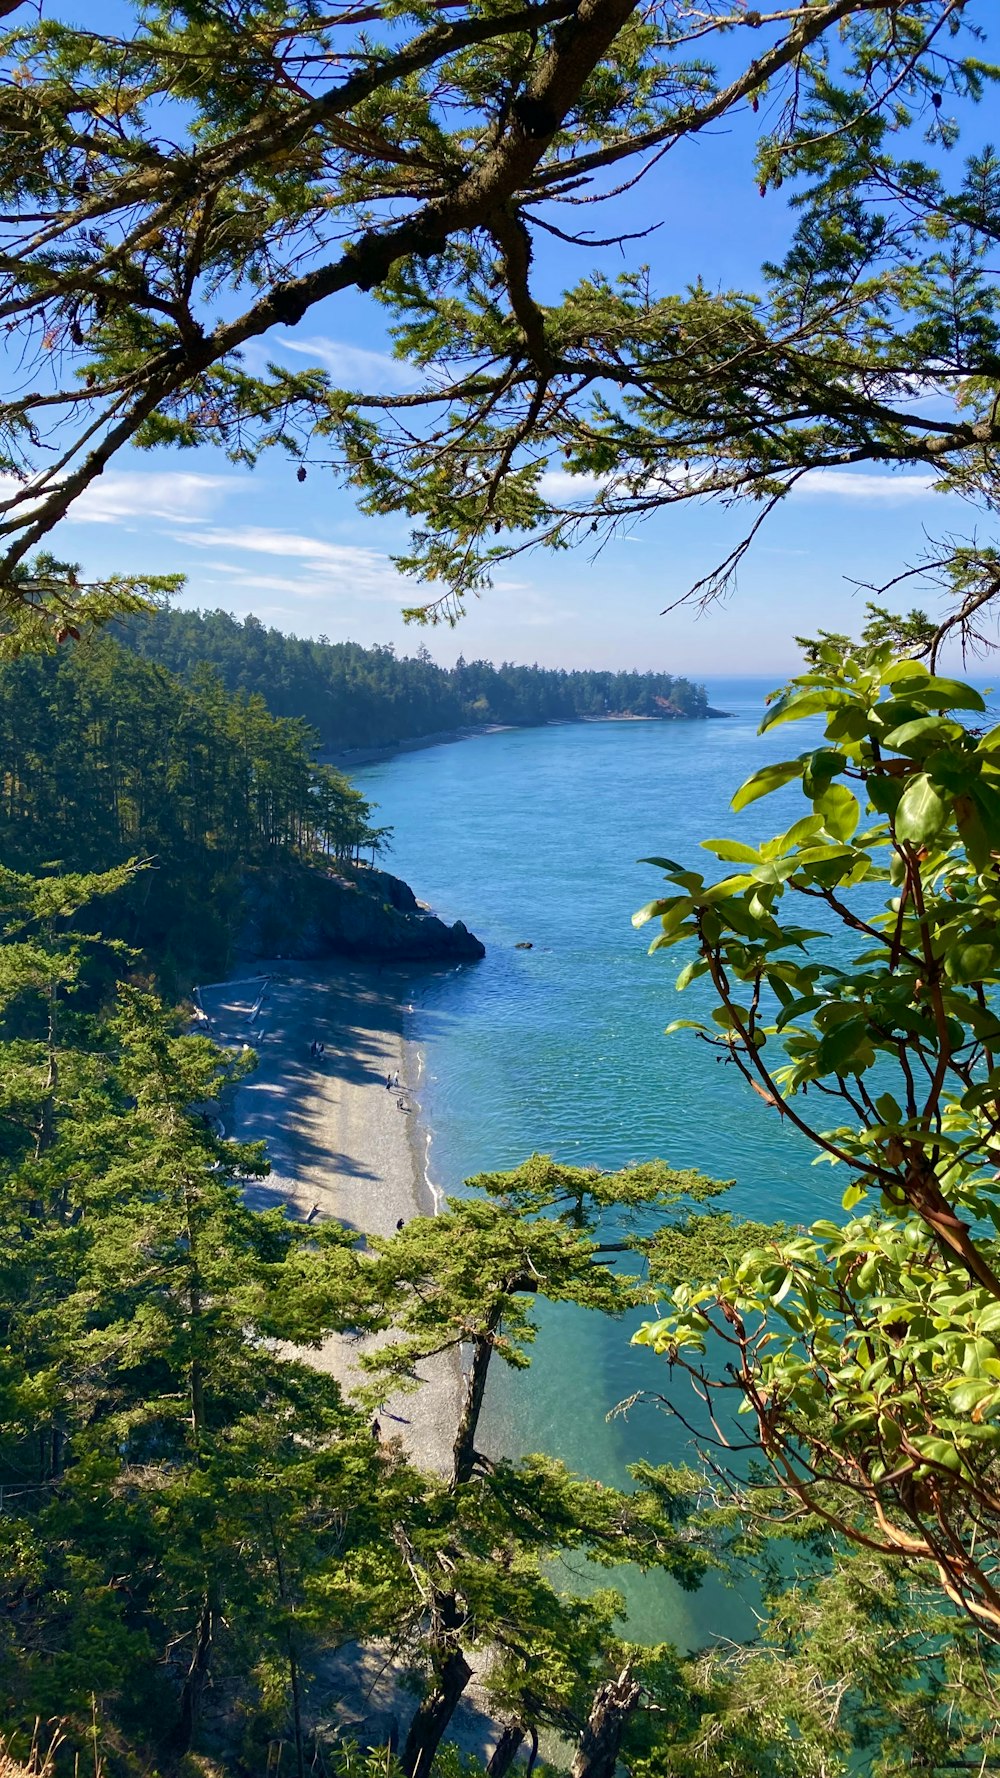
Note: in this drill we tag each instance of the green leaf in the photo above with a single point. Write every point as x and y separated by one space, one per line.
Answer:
974 831
666 940
731 851
945 694
797 704
688 973
840 811
799 833
847 1048
904 669
921 812
762 783
919 736
884 792
969 1394
661 908
798 1009
888 1109
820 769
970 963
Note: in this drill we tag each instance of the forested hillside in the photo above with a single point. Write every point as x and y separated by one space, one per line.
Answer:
371 697
108 757
202 1533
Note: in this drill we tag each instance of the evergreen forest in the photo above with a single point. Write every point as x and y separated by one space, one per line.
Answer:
212 1551
371 697
109 757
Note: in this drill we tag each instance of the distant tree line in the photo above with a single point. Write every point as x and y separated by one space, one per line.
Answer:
369 697
107 756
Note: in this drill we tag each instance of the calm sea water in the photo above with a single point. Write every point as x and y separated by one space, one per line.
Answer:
534 835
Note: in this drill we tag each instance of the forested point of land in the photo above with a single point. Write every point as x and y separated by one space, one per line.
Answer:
372 697
107 757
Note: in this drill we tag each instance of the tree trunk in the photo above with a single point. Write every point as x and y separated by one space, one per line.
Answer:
293 1674
435 1711
597 1754
505 1751
434 1714
293 1665
194 1683
464 1448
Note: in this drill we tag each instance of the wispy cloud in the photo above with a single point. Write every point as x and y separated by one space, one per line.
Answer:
183 496
889 489
865 485
560 487
328 566
354 367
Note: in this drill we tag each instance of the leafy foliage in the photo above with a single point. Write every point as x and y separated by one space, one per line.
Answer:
865 1352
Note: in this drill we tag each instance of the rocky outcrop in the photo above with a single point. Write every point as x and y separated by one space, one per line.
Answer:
306 912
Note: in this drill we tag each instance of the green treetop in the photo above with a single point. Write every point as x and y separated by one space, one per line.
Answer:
470 1277
175 191
468 1280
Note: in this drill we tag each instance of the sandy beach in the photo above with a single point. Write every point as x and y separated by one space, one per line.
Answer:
339 1144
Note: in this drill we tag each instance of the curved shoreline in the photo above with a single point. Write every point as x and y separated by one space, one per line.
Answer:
346 759
339 1144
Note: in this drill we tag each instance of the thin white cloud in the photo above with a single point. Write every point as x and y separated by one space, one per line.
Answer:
328 566
865 485
355 367
297 586
560 487
183 496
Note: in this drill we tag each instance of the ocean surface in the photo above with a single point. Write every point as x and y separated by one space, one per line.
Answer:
535 836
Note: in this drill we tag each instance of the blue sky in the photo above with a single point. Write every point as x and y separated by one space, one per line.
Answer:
302 558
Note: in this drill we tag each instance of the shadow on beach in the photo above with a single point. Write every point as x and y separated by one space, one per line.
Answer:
341 1145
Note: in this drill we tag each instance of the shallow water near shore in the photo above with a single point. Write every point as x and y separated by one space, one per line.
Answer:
533 836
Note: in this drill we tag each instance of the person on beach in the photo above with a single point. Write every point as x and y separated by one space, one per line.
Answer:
395 1078
388 1083
376 1430
400 1224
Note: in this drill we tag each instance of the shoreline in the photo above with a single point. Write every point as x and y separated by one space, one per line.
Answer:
338 1143
428 1196
344 759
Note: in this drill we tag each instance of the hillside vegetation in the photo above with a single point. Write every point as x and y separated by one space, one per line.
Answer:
372 697
108 757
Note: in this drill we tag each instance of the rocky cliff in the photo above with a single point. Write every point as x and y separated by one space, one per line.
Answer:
307 912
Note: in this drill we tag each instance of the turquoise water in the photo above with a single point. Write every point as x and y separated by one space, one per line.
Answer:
534 835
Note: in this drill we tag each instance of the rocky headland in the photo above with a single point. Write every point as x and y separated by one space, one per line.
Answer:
310 912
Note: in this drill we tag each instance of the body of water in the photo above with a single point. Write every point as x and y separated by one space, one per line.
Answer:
534 836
